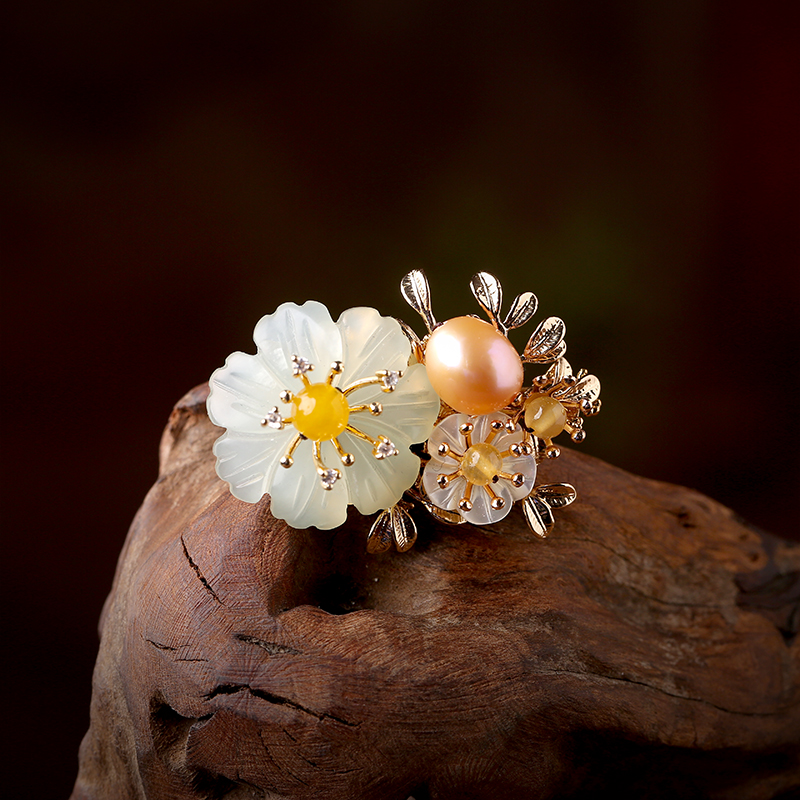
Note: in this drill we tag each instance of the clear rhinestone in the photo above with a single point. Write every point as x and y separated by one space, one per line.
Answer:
390 380
384 448
329 477
301 365
273 419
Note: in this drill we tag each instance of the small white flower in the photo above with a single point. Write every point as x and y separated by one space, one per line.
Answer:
348 418
479 466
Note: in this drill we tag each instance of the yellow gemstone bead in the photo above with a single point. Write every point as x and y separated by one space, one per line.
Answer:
481 463
544 416
320 412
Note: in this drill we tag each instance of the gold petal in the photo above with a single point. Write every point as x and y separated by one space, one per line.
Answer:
547 342
556 495
557 371
522 309
538 516
404 528
380 535
489 294
416 291
588 388
450 517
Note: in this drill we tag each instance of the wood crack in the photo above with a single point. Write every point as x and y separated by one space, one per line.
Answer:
616 679
609 549
272 648
235 688
160 646
567 657
199 573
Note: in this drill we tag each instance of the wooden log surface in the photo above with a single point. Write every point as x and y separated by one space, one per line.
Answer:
649 645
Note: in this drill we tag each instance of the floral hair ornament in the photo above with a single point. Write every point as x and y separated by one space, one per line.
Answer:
459 392
288 435
492 431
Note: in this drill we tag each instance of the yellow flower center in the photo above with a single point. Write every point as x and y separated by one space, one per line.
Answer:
481 464
544 416
320 412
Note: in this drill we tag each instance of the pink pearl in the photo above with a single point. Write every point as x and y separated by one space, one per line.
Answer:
472 366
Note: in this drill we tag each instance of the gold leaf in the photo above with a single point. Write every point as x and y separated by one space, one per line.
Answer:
533 516
488 293
416 291
380 534
557 371
547 341
522 309
450 517
556 495
545 512
586 389
404 528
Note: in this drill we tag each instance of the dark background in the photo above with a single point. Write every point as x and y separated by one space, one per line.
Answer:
172 171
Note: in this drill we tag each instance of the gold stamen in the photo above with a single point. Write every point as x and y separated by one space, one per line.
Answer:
336 369
374 408
496 426
286 458
318 456
465 503
328 477
497 501
444 480
360 384
552 451
445 451
348 459
362 435
517 479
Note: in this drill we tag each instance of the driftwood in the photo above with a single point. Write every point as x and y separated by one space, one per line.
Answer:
647 646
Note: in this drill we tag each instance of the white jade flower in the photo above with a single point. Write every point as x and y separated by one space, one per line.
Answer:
479 466
288 435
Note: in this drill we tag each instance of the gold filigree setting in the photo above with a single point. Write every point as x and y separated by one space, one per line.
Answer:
462 472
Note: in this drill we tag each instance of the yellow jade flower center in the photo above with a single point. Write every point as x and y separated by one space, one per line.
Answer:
481 464
544 416
320 412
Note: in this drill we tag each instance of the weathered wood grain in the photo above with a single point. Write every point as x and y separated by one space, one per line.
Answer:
649 646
